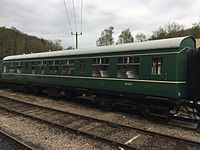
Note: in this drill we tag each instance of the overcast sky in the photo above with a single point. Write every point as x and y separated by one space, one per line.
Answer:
47 18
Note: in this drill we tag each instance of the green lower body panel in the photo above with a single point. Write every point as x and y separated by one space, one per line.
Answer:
169 89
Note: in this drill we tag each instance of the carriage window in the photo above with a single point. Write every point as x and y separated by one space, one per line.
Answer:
40 67
51 71
5 66
156 66
104 61
100 67
53 67
50 63
96 61
68 67
122 60
33 67
55 62
18 67
128 67
8 68
134 59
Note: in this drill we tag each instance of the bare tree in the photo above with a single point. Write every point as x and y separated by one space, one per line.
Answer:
140 37
172 29
106 37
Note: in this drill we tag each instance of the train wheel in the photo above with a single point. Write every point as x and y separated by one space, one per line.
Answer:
105 105
144 112
70 94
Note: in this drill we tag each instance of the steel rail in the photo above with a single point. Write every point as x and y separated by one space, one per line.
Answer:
21 143
91 136
101 121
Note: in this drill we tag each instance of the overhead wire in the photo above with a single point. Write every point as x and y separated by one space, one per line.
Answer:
70 26
74 15
75 18
81 44
81 16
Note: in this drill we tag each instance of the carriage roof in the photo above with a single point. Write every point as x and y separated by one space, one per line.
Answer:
139 46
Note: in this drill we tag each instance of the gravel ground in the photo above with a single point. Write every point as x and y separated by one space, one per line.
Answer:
124 119
44 136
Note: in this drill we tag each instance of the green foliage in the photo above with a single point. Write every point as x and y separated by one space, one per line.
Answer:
14 42
106 37
125 37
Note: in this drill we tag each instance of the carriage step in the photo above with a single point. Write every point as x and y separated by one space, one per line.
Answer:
186 124
158 115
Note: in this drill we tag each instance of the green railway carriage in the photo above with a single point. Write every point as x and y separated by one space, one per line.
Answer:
152 69
0 70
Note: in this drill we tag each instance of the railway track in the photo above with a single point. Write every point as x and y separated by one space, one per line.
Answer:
9 142
181 121
121 136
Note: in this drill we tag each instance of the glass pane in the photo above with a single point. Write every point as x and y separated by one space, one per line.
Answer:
120 60
156 66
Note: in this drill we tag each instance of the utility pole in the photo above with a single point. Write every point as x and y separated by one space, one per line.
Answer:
76 34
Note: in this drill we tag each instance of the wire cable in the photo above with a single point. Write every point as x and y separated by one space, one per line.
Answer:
74 15
70 26
81 16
